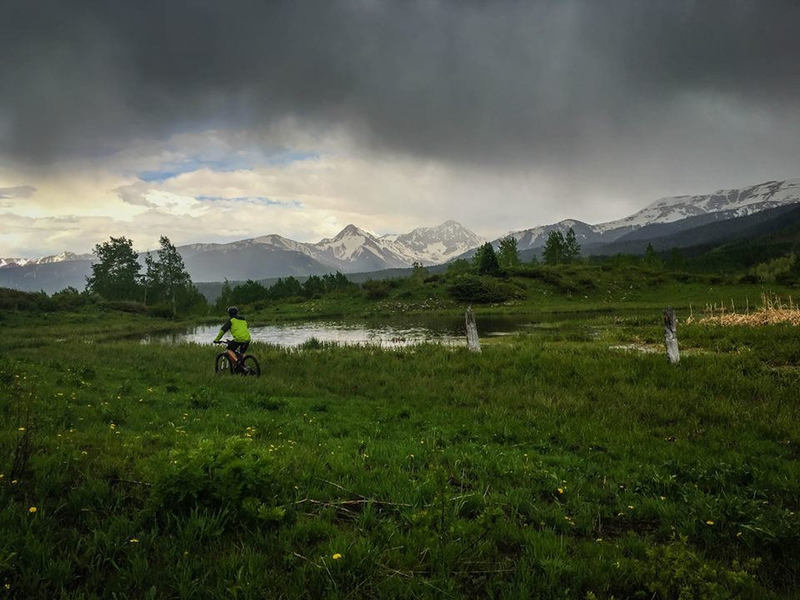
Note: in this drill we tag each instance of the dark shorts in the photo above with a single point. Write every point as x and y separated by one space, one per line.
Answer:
239 347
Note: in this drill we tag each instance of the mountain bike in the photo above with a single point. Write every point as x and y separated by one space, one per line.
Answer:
234 362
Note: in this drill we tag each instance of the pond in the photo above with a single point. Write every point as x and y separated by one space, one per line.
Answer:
390 333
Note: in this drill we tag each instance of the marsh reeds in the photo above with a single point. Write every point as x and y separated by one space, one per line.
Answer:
773 310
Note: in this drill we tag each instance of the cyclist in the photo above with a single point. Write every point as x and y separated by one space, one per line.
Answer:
238 328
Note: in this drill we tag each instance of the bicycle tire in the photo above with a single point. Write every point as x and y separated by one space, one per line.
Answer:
222 364
250 366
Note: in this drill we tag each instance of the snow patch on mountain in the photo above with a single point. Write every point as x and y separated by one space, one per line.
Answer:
434 245
43 260
739 202
729 203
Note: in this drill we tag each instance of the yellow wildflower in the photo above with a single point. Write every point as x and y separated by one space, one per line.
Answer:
336 556
709 522
20 429
32 509
134 540
560 491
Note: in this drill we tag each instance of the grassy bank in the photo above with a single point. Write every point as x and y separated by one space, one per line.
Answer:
525 290
548 466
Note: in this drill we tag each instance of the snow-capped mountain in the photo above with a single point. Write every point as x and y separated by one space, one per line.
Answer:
434 245
734 202
720 205
354 249
535 237
351 250
44 260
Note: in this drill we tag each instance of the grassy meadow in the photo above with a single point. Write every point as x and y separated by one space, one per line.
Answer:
568 462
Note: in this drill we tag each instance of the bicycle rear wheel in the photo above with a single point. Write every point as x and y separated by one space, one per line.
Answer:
222 364
250 366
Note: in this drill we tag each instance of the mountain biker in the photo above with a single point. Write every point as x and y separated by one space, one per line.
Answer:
238 328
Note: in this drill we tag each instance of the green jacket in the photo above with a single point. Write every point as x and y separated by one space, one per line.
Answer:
238 328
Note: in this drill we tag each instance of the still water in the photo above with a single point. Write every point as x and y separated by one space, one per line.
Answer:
389 334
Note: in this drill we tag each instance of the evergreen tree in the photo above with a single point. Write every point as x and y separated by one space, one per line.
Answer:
249 291
507 254
115 274
676 261
572 249
313 287
151 280
172 273
651 259
554 248
225 298
485 261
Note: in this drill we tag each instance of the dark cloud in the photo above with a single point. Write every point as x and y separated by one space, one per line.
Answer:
566 82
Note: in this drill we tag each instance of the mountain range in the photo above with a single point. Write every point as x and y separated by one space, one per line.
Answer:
667 215
679 221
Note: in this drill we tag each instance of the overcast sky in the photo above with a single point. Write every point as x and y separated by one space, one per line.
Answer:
217 121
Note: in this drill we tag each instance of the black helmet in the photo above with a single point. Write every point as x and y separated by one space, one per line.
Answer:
233 311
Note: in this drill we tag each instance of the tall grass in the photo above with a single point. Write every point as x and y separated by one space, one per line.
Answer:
547 467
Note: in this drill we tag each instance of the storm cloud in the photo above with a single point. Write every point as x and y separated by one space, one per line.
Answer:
474 82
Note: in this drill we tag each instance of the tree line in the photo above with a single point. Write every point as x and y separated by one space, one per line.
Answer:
559 249
165 283
289 287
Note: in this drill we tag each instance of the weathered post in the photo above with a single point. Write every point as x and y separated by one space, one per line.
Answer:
671 336
472 332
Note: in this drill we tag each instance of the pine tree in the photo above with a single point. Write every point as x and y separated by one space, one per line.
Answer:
172 273
572 250
507 254
115 274
650 257
151 280
485 261
554 247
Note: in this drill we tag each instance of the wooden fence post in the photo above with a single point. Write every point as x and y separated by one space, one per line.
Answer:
472 332
671 336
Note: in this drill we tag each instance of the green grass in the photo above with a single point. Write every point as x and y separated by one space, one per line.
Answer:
548 466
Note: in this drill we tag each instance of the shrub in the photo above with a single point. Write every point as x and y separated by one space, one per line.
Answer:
128 306
232 477
482 290
376 290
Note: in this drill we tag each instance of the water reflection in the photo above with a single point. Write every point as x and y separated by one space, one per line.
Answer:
392 334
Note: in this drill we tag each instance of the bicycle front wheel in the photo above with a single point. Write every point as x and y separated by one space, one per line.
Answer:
222 364
250 366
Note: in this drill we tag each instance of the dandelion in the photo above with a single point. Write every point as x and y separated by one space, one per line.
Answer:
20 429
560 490
709 522
336 556
32 509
